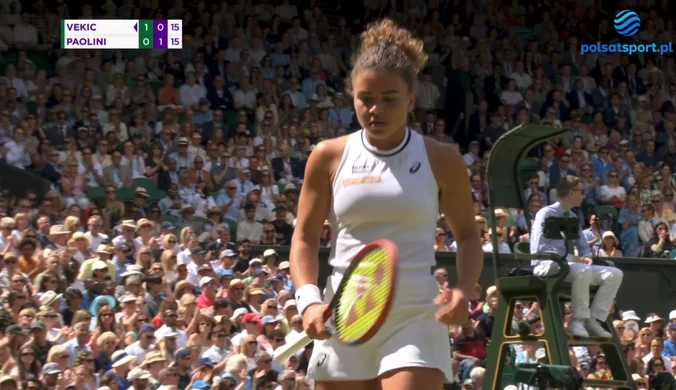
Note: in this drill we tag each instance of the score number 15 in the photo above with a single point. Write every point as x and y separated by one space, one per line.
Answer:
175 27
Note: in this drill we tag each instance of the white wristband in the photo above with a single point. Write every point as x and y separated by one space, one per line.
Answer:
307 295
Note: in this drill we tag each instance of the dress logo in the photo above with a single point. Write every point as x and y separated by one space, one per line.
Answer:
415 168
321 359
358 169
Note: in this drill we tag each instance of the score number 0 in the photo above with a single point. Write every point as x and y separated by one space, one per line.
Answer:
160 27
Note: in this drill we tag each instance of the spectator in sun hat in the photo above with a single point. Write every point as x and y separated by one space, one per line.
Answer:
270 258
138 378
236 296
127 228
145 343
154 363
128 304
183 287
9 382
656 324
237 317
288 311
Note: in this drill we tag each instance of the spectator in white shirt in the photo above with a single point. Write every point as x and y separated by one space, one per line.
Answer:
245 96
191 92
146 337
15 152
249 228
25 34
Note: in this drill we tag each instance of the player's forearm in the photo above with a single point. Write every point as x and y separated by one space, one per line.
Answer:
303 260
469 263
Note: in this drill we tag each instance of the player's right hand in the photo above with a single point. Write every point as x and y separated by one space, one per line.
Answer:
314 323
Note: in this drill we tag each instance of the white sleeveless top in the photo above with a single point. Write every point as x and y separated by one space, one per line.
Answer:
385 194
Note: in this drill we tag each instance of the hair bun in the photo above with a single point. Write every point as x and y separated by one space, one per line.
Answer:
386 32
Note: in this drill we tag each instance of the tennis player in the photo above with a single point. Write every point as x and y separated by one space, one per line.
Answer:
386 182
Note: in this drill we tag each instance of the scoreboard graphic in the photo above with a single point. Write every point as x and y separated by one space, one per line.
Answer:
121 34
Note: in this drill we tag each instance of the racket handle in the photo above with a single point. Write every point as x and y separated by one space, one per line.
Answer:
283 353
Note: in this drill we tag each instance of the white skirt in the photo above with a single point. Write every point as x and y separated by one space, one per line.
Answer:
410 337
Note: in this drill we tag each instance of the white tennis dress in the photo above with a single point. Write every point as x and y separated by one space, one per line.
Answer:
393 195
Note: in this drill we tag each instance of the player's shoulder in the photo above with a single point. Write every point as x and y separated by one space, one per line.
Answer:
444 159
441 152
331 148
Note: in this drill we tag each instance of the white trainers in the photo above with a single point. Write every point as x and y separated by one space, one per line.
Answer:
577 328
594 328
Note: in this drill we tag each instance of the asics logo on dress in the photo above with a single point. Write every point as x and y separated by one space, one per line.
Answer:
415 168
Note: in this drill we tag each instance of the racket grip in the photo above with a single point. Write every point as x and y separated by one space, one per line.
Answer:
283 353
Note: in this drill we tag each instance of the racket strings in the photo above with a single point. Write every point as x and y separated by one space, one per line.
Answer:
363 300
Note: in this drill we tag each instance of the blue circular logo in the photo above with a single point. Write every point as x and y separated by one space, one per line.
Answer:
627 23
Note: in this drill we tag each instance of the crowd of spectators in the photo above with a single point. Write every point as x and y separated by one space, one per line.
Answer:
136 270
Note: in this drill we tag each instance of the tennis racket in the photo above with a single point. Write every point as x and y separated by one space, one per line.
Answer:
361 302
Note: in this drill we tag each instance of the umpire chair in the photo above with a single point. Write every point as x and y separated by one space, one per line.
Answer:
506 190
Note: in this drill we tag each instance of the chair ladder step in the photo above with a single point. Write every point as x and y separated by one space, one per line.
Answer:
579 341
615 384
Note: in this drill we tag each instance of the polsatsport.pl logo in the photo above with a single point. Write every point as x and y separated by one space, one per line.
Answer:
627 23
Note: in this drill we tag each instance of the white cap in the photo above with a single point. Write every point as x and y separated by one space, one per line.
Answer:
269 252
672 315
239 312
205 280
652 319
630 315
137 373
126 298
255 260
228 253
99 265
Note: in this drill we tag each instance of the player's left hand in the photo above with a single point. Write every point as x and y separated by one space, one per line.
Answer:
454 307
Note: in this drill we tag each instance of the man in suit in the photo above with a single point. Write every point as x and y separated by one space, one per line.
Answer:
116 174
167 177
493 86
559 171
209 128
634 83
611 112
58 131
219 96
51 170
533 189
218 65
579 99
201 177
285 168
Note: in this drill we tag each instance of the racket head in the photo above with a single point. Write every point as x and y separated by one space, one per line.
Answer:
365 295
